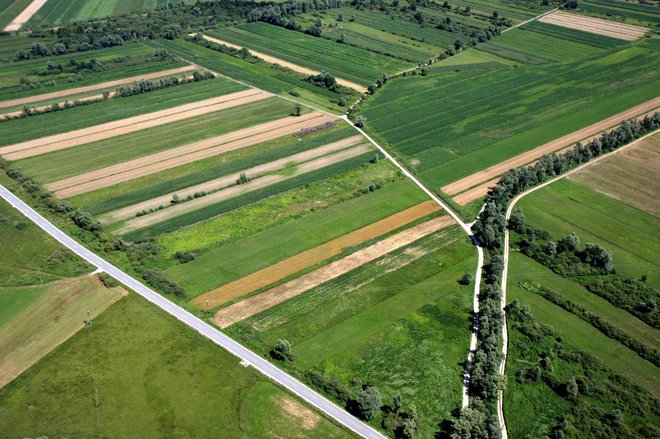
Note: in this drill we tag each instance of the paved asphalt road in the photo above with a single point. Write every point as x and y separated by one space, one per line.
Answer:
222 340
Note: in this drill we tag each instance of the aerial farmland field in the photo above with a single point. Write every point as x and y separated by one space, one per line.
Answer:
291 219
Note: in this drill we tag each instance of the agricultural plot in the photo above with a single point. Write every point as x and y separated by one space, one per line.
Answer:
629 12
350 63
539 43
629 233
626 32
21 79
141 351
17 12
383 322
57 12
491 116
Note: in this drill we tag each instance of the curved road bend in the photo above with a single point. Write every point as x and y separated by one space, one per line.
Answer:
222 340
467 228
505 272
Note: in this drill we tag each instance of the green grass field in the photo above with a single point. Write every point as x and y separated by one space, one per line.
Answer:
259 74
15 300
20 130
578 332
216 267
346 62
85 158
455 124
630 12
113 66
630 234
155 378
29 256
400 326
56 12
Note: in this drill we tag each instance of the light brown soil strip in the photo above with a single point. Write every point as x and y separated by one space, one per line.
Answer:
288 65
553 146
169 163
25 16
101 86
234 191
475 193
268 299
294 264
594 25
49 321
124 126
227 180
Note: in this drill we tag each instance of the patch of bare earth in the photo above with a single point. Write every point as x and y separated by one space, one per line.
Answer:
237 190
621 31
101 86
296 68
182 155
124 126
25 15
303 416
268 299
480 182
294 264
227 180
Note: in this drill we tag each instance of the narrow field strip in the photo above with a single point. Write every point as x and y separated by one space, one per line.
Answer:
627 32
273 60
227 180
234 191
171 159
58 142
488 174
294 264
25 16
101 86
268 299
49 321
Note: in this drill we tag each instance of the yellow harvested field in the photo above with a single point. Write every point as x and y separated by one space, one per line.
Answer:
101 86
227 180
124 126
234 191
175 157
261 302
480 182
296 68
294 264
621 31
50 320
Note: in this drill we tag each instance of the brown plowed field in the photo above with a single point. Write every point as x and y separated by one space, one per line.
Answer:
152 164
101 86
288 65
227 180
294 264
631 176
268 299
621 31
234 191
111 129
488 174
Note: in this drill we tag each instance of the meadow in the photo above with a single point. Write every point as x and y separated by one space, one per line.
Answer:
29 256
214 268
57 12
157 377
578 332
446 126
343 61
265 76
400 323
630 234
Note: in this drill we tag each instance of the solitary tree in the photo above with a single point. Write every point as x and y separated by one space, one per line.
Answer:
368 403
282 351
297 110
361 120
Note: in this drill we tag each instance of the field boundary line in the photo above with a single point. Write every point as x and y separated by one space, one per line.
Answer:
505 271
467 229
530 20
25 15
230 345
